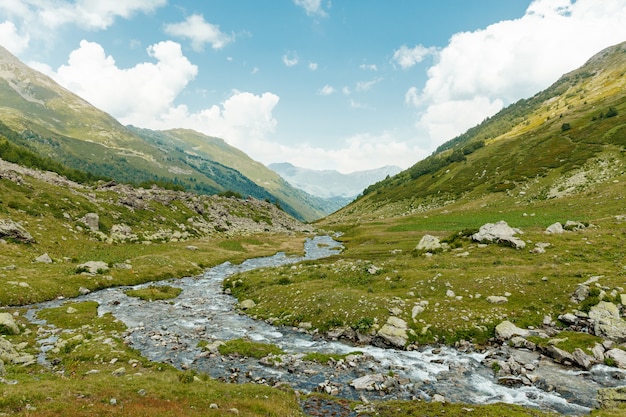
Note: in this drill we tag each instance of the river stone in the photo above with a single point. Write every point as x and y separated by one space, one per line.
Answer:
428 243
247 304
582 359
598 352
13 230
43 259
558 355
499 232
607 322
619 356
612 397
507 330
394 332
7 324
367 382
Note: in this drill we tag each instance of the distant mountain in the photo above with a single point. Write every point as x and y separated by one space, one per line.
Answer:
331 183
566 139
54 123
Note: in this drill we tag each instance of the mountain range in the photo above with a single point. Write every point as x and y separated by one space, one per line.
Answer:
332 183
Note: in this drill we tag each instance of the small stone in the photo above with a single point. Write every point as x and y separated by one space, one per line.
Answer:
119 372
71 310
142 392
213 406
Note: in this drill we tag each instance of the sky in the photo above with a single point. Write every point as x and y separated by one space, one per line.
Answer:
349 85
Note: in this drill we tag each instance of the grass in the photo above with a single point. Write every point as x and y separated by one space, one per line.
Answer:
248 348
155 292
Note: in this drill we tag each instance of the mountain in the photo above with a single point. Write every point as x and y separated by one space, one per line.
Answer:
331 183
568 138
57 124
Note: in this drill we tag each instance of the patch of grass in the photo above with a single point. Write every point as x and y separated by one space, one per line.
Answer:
155 292
249 348
569 341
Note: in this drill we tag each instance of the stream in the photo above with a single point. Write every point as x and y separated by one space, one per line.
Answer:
169 332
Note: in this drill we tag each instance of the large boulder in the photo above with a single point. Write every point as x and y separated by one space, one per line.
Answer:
428 243
94 267
607 322
92 221
507 330
394 332
499 232
618 356
13 230
7 324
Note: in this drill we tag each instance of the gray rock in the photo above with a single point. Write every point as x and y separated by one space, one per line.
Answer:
598 352
499 232
367 382
394 332
13 230
555 229
572 225
582 359
497 299
558 355
611 398
581 292
569 318
607 323
94 267
119 372
7 324
507 330
247 304
428 243
44 259
619 356
92 221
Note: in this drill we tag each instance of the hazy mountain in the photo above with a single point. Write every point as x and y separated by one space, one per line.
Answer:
331 183
567 138
55 123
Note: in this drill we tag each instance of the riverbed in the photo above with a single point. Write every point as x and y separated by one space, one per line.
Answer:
169 331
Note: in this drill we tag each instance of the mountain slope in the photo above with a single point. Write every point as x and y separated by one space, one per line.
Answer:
567 137
331 183
57 124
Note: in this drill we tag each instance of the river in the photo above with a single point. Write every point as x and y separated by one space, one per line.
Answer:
169 331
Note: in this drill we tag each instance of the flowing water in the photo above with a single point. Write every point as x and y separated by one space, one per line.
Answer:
169 331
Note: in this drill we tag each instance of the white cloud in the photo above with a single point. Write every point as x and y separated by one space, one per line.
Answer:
313 66
11 39
199 32
326 90
370 67
312 7
367 85
290 59
144 95
356 153
134 95
479 72
407 57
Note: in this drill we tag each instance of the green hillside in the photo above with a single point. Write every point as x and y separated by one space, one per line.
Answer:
529 147
54 123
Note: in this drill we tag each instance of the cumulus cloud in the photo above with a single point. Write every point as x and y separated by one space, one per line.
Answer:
290 59
144 95
134 95
355 153
312 7
88 14
11 39
326 90
479 72
200 32
407 57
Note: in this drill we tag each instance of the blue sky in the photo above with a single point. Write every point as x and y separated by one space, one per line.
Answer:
341 84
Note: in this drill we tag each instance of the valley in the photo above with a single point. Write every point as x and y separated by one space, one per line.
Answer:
414 273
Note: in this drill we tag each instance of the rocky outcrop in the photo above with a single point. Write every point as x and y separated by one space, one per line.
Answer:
7 324
607 322
429 243
501 233
14 231
394 333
